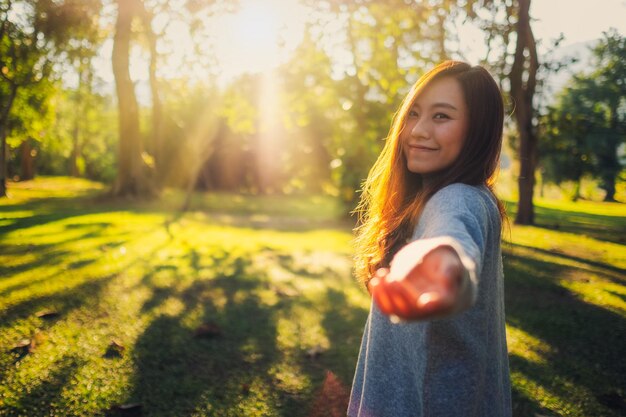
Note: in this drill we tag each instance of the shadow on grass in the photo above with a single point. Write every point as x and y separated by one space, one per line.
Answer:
52 257
45 398
586 341
607 271
344 324
47 210
602 227
80 291
179 372
233 373
61 302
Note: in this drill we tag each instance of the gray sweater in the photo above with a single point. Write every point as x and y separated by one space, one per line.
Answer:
451 366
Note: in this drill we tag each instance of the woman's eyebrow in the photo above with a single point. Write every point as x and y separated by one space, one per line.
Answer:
444 105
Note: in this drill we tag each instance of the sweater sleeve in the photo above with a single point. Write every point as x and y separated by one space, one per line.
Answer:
457 216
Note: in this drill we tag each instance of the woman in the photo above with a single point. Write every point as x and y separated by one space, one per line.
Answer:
428 249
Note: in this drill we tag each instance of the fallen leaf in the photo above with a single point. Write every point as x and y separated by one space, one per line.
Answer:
115 350
132 406
208 330
131 409
21 345
47 314
285 292
24 347
332 398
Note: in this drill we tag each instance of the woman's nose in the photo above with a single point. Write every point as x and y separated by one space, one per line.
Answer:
420 128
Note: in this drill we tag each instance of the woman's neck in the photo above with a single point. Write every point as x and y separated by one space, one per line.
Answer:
429 179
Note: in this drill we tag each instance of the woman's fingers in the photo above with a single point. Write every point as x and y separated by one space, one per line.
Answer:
381 297
402 300
409 299
434 302
390 297
377 288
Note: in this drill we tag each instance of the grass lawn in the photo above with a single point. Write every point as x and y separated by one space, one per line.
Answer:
244 306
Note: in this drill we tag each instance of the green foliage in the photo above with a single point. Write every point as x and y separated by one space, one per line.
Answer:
239 107
583 132
94 127
567 136
33 35
341 106
32 114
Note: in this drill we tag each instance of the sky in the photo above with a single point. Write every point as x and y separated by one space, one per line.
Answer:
246 41
580 21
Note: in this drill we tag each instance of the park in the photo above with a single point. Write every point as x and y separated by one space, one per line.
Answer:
178 240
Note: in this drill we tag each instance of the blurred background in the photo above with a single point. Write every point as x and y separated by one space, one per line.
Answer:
284 97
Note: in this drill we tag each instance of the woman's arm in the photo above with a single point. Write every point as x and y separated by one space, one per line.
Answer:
436 275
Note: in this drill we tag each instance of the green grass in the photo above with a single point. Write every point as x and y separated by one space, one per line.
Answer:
274 275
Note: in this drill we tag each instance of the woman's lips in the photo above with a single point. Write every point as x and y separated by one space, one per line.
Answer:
421 148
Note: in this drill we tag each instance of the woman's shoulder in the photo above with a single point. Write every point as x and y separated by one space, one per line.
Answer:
463 197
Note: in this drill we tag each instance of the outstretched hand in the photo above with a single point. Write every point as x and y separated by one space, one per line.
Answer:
429 289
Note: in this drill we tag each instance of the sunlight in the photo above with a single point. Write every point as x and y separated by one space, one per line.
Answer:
258 37
271 136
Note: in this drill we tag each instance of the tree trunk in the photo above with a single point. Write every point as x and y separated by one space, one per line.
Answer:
576 195
132 174
611 164
609 186
156 143
84 82
27 164
4 122
525 68
74 172
3 164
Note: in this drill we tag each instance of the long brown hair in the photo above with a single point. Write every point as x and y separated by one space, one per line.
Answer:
393 197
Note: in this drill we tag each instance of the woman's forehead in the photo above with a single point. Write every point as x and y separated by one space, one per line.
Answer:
441 92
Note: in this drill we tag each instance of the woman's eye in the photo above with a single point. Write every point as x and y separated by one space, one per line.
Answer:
440 116
412 113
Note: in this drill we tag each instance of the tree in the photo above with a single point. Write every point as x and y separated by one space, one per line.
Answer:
606 86
33 36
28 125
389 44
195 16
133 176
523 81
508 32
314 116
565 149
23 62
80 56
586 127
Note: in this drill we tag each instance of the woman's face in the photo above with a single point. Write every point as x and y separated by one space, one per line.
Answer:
435 127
